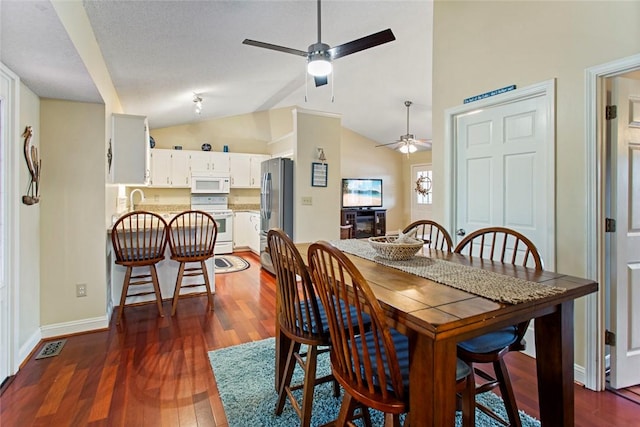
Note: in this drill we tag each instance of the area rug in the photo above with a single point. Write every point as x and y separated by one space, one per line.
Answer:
245 378
229 264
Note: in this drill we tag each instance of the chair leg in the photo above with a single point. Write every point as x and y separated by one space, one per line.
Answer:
469 401
286 379
123 296
176 291
347 409
509 398
207 284
156 289
311 363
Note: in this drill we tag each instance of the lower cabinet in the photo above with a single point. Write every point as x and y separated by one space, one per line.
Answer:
246 231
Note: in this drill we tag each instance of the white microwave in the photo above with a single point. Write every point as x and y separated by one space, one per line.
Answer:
210 184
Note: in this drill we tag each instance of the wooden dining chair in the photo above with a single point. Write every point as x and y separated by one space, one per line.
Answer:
433 235
192 239
302 319
511 247
373 368
139 239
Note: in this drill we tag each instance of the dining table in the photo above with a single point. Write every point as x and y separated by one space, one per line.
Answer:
439 298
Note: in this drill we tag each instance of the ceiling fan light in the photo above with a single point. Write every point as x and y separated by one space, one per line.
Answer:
404 149
412 148
319 67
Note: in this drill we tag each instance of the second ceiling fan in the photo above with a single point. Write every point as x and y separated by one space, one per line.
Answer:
319 55
408 143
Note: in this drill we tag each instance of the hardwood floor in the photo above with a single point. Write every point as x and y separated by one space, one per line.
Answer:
154 371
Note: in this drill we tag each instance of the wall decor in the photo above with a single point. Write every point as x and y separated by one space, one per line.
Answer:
319 174
34 164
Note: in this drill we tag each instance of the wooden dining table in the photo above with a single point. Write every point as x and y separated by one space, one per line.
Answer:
435 317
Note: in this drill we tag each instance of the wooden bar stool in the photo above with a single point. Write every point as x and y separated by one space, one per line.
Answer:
139 239
192 237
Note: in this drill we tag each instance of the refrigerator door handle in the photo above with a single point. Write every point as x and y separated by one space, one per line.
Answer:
268 194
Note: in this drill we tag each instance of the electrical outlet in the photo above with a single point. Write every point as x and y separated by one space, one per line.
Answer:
306 200
81 290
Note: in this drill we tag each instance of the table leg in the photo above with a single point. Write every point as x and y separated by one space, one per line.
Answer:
554 362
432 383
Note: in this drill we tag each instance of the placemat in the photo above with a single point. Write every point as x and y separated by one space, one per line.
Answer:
487 284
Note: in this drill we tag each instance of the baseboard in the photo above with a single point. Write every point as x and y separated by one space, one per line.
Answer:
29 346
77 326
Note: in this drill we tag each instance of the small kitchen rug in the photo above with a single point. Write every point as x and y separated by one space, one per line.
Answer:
229 264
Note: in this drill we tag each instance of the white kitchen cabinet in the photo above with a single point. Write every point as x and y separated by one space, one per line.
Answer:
209 162
254 231
130 148
170 168
245 169
241 230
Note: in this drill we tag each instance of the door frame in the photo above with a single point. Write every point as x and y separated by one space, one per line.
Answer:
595 138
10 194
545 88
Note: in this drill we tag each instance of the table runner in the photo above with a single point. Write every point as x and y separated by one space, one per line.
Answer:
487 284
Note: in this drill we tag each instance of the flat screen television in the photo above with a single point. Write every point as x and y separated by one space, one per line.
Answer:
361 193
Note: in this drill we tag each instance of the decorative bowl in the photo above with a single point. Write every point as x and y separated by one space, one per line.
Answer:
206 147
387 248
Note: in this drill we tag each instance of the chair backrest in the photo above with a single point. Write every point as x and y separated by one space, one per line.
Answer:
501 244
298 305
372 371
433 234
139 238
192 236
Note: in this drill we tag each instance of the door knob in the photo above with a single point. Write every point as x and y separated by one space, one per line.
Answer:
460 232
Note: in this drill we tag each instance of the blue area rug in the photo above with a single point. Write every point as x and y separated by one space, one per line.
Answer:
245 378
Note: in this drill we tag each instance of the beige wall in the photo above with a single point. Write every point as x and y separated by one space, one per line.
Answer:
73 238
362 159
479 46
28 290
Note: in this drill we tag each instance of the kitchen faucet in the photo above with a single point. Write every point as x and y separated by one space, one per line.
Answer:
137 190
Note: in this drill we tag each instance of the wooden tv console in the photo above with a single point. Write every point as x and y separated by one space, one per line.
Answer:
364 223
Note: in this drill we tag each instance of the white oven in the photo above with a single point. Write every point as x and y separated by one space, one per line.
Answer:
217 207
216 184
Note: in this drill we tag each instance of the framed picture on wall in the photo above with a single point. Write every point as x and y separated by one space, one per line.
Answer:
319 174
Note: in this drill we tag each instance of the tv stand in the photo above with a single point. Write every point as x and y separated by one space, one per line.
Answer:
366 222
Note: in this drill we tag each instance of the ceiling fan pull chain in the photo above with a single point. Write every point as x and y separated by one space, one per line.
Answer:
332 83
306 86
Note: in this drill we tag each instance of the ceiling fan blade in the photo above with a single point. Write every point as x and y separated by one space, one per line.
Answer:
275 47
321 80
391 143
363 43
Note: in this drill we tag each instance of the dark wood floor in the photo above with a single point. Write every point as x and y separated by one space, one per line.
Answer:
154 371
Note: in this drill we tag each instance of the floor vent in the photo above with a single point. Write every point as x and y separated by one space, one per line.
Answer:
50 349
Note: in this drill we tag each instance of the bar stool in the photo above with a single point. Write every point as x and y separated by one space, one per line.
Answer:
139 239
192 238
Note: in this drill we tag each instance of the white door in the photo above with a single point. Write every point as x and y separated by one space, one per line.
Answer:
625 243
4 290
503 171
421 201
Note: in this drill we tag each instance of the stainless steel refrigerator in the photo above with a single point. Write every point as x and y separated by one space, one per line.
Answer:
276 202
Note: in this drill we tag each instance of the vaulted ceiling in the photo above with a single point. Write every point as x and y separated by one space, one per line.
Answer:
159 53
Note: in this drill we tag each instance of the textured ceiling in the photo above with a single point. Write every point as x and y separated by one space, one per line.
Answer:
160 52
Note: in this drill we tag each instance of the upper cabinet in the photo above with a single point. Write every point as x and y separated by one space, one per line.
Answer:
245 169
209 162
170 168
129 149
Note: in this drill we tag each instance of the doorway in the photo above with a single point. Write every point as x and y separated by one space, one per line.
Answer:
599 191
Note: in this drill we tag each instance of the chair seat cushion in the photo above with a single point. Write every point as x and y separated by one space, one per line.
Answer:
401 344
325 322
184 252
141 254
492 341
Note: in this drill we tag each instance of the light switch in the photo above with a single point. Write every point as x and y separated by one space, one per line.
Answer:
306 200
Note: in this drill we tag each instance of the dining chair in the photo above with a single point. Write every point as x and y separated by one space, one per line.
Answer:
302 319
433 235
373 368
139 239
511 247
192 239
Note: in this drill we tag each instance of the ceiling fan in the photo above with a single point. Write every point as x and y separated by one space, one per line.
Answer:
319 55
407 143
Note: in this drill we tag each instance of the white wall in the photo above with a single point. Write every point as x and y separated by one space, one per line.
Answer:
480 46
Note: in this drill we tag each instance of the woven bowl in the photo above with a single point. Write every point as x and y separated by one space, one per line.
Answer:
387 248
